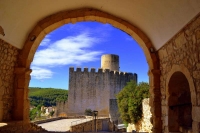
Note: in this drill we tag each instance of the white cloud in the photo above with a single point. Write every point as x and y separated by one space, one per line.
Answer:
46 41
41 73
129 38
73 50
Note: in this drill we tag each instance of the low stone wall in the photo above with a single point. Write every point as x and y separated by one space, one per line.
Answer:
89 126
144 125
47 120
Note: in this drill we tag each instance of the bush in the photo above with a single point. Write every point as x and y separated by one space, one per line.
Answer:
88 112
130 99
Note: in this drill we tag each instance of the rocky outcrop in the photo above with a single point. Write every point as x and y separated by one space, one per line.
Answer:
144 125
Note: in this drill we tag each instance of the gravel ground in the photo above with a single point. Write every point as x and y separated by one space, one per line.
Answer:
59 125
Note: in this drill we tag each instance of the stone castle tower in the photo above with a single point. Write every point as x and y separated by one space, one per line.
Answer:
93 90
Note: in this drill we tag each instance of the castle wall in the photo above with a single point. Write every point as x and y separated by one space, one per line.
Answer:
8 61
92 90
114 114
61 109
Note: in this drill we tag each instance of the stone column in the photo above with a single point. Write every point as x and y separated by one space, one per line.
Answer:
155 100
21 102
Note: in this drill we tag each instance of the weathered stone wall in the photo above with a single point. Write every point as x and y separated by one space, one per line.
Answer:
92 90
182 53
61 109
114 114
8 58
144 125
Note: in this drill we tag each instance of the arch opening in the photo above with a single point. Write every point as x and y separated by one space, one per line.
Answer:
46 25
179 102
108 61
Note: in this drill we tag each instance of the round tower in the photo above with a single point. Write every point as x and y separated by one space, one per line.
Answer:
110 61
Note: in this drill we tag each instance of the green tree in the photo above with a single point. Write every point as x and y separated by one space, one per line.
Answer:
129 101
46 96
33 114
51 113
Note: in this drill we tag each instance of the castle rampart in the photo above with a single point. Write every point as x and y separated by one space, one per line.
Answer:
92 89
61 109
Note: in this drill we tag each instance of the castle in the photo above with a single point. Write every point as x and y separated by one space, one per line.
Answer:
93 90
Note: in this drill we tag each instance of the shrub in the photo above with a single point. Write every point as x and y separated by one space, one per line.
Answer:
130 99
88 112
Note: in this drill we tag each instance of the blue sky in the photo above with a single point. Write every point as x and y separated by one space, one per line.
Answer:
81 45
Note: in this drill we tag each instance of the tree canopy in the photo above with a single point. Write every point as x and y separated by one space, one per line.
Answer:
46 96
129 101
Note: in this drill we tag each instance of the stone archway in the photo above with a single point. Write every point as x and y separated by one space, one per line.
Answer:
43 27
181 99
179 102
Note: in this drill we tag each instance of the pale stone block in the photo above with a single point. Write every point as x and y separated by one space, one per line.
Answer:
67 20
73 20
196 113
80 19
198 98
180 40
122 27
196 74
90 18
53 26
165 121
103 20
1 109
195 127
162 53
164 110
193 98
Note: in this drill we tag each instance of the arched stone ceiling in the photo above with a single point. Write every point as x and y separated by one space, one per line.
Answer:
160 20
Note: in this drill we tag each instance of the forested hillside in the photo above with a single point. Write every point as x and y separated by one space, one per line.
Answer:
46 96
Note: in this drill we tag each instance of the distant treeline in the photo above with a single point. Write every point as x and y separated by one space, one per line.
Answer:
46 96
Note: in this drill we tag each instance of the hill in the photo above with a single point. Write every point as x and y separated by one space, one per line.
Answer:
46 96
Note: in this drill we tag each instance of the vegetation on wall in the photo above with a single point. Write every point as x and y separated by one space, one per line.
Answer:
129 101
88 112
46 96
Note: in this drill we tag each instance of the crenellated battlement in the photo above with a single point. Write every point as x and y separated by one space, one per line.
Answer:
98 71
91 88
